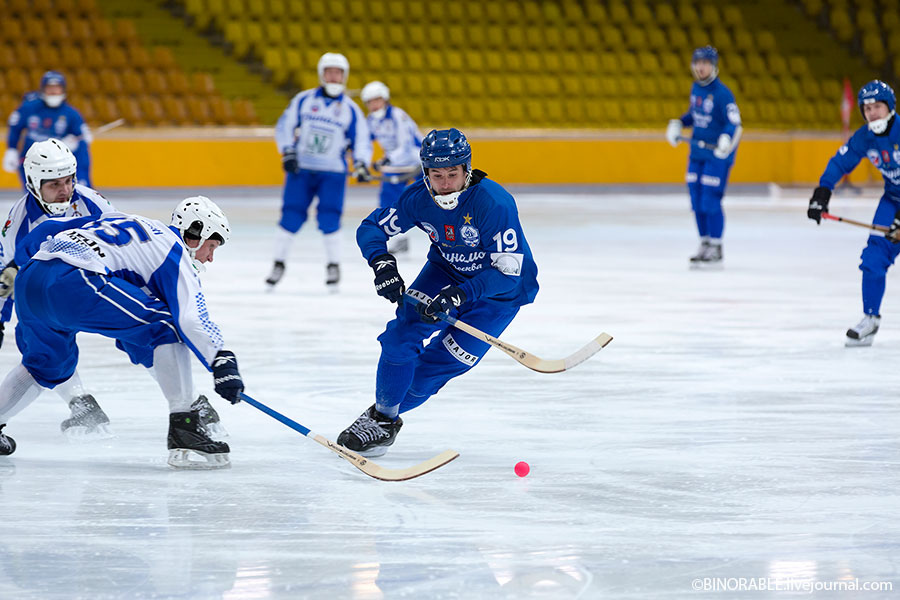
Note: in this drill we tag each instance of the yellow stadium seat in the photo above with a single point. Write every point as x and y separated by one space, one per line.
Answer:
721 40
551 14
686 13
572 12
111 82
592 86
106 109
635 37
274 34
678 40
777 65
474 60
618 13
756 65
697 36
138 57
494 12
72 57
162 57
810 87
571 39
731 17
670 87
628 62
532 62
316 36
665 14
672 63
475 84
531 10
574 111
130 111
596 13
648 62
572 86
570 62
132 81
733 64
551 61
26 57
873 49
356 36
743 41
765 41
155 82
553 38
494 61
605 62
790 89
515 113
152 110
611 38
656 38
590 38
710 15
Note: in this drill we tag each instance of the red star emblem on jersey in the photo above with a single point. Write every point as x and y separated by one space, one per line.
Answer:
449 233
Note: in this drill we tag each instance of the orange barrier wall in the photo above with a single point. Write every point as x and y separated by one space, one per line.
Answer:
180 158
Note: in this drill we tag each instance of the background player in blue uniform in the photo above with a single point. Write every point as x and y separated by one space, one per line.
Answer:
313 135
879 141
716 123
43 116
400 139
479 268
135 280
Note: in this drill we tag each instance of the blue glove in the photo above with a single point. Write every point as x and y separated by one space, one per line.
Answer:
226 378
449 298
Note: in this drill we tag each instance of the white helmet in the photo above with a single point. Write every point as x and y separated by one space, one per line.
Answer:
50 159
333 59
199 218
375 89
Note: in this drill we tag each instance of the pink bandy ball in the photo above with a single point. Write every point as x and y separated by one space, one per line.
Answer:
522 469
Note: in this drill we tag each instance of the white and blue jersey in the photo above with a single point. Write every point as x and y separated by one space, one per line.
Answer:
26 214
479 244
158 285
321 130
713 111
883 151
398 135
41 122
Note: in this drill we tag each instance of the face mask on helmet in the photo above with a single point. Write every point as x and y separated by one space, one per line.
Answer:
446 148
47 161
53 100
871 93
879 126
336 61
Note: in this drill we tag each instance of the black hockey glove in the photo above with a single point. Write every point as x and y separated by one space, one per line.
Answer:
893 234
381 163
361 172
2 327
818 204
289 161
226 378
449 298
388 282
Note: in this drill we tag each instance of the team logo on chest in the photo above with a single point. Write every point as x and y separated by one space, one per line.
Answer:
449 233
432 232
469 232
872 155
708 104
896 154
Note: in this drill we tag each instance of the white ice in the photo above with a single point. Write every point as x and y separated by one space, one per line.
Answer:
726 432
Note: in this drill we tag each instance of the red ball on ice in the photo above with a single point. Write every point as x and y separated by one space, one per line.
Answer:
522 469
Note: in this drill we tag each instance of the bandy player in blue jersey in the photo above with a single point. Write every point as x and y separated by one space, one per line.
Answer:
479 268
716 123
879 141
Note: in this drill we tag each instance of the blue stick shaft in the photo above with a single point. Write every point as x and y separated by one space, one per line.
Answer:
275 415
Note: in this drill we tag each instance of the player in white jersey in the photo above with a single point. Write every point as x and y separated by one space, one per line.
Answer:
135 280
400 139
313 135
54 193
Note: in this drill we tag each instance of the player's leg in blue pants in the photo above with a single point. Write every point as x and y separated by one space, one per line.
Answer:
409 374
877 257
390 192
55 301
299 189
695 169
330 189
713 179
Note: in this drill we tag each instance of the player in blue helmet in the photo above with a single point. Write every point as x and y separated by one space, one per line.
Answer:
479 267
879 141
716 121
44 115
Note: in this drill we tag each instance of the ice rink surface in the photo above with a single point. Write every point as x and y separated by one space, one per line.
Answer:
725 432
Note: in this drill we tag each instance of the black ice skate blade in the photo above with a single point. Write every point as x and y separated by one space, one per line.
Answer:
184 459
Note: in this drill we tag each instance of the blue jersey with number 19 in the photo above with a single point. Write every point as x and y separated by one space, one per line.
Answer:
479 244
142 251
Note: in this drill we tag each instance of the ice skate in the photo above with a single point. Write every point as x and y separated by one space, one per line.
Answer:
704 244
398 246
371 434
276 274
88 421
863 333
190 447
209 418
710 259
7 444
332 276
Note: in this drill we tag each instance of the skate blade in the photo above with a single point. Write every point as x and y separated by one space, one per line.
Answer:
707 267
181 458
81 434
862 343
216 430
373 452
333 288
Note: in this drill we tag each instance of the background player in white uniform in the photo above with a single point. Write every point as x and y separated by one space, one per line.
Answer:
135 280
313 134
400 139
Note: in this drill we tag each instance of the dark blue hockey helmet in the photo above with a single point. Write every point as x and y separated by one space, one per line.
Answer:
706 53
876 91
445 148
53 78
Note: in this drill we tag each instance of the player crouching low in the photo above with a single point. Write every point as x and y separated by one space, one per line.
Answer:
479 267
133 279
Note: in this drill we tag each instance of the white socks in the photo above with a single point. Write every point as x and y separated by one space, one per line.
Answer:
172 371
18 390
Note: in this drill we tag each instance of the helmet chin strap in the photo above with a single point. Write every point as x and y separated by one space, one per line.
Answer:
451 200
879 126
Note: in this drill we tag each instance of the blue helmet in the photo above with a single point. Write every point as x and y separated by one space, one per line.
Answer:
445 148
876 91
706 53
53 78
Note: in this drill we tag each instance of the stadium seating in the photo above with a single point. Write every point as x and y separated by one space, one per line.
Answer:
598 63
110 74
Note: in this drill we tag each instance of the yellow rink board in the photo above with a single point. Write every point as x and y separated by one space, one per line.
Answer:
212 158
